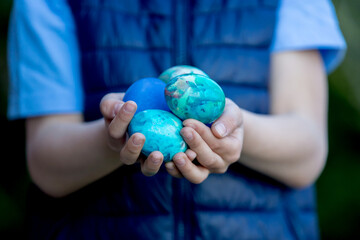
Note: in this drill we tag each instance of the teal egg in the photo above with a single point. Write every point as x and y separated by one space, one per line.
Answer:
175 71
161 130
195 96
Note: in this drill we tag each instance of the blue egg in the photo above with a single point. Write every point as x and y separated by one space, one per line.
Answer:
148 93
195 96
161 130
178 70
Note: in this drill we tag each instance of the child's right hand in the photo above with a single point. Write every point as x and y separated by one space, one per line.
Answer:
117 115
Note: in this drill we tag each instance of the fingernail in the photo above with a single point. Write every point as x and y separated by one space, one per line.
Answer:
130 108
117 108
187 135
155 160
191 155
137 141
220 128
180 161
170 165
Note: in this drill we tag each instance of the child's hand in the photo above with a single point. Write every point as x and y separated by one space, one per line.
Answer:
118 115
215 149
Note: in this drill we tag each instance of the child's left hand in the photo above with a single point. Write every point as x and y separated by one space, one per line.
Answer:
215 149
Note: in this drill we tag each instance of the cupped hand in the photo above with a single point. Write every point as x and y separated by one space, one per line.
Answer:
214 148
117 115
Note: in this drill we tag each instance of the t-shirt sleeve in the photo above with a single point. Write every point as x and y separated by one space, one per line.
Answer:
43 59
308 24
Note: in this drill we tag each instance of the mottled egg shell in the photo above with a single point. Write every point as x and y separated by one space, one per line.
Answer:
175 71
161 130
148 93
195 96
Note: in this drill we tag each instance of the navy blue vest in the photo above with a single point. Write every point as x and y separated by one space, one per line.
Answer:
123 41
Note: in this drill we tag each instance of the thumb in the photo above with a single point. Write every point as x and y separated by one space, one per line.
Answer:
229 120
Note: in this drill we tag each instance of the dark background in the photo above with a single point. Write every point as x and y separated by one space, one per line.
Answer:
338 186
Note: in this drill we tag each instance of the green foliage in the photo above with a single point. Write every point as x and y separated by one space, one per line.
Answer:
338 186
5 6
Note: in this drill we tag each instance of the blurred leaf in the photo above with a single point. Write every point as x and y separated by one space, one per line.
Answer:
11 214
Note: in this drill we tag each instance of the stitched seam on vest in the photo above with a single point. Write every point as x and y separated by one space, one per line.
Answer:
236 211
125 48
120 10
129 214
235 45
235 10
228 83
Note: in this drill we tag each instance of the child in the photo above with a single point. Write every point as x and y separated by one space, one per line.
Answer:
256 166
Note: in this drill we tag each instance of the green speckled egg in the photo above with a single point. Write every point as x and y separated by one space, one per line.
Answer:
175 71
161 130
195 96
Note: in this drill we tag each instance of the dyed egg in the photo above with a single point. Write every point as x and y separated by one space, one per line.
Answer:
148 93
175 71
195 96
161 130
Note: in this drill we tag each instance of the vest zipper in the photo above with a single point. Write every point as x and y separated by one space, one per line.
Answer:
181 197
181 32
178 204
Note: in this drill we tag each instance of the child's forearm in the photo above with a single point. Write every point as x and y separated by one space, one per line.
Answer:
291 143
289 148
64 154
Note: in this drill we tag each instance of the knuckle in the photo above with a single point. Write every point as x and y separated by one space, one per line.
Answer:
125 116
236 156
105 107
151 166
233 159
201 130
196 143
221 170
197 180
133 150
112 96
112 133
211 163
127 159
232 154
215 146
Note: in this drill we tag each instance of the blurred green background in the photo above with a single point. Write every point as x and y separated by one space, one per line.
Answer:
338 186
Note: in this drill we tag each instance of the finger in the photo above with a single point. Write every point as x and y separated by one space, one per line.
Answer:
172 170
193 173
205 155
110 104
152 164
228 121
190 154
171 167
119 124
204 131
229 145
233 145
132 149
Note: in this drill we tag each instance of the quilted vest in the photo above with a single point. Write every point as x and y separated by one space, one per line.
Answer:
123 41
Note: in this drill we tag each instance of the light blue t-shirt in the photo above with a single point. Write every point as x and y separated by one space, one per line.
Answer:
43 53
